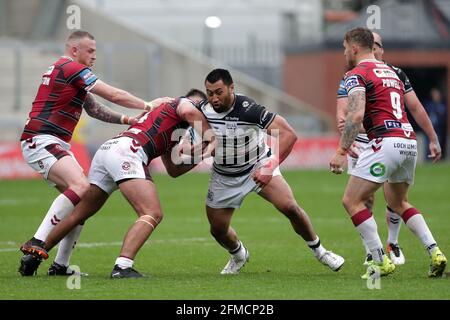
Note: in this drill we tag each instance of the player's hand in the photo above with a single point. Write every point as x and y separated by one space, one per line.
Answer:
435 151
338 161
209 149
157 102
264 174
132 120
354 151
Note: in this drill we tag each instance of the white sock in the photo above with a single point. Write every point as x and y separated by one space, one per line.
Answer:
394 222
124 262
59 209
239 252
367 228
365 246
416 223
316 247
67 245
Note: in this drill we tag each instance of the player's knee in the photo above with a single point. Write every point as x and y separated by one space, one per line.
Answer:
218 229
156 216
80 187
291 209
152 219
399 207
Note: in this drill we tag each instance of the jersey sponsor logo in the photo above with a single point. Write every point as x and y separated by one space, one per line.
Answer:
407 127
87 76
406 149
351 82
377 169
245 104
385 73
392 124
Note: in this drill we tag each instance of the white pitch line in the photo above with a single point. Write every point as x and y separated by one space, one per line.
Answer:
112 244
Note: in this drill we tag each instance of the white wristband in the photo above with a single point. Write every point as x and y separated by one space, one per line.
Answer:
124 119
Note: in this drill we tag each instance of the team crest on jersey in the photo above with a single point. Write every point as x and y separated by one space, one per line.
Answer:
351 82
126 165
245 104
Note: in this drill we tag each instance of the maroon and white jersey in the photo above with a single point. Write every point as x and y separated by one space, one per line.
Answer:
385 114
155 130
59 100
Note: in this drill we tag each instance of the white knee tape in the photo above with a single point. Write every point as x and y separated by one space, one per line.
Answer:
143 219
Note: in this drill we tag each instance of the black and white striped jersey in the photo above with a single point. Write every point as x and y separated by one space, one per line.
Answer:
240 135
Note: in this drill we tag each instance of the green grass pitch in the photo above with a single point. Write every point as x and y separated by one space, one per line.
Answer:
183 261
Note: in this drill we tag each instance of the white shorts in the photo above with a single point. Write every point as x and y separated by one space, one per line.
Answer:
351 162
229 192
42 151
389 159
115 161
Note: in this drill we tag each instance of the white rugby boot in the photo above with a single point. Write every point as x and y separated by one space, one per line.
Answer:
237 261
332 260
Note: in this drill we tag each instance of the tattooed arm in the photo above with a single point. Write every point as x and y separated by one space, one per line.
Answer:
355 114
101 112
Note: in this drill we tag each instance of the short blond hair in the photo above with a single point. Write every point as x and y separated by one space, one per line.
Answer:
79 34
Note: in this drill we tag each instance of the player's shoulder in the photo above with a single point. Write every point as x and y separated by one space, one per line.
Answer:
358 70
397 70
71 66
361 68
242 101
189 102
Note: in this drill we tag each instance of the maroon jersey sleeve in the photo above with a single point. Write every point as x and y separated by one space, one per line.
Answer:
355 80
81 77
